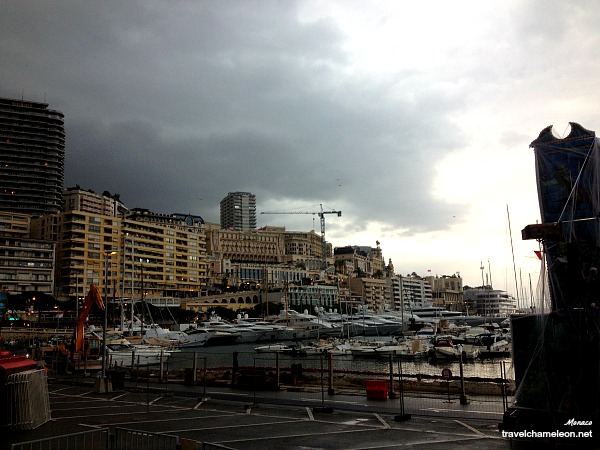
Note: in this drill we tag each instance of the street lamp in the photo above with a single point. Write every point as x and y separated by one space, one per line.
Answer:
106 255
142 298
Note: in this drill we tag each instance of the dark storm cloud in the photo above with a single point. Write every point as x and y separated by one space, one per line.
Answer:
174 104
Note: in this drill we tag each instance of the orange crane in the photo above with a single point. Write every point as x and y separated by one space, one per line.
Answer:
92 298
321 215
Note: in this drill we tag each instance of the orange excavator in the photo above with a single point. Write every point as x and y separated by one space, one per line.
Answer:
78 345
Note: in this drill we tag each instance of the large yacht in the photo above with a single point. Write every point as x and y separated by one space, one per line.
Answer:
313 326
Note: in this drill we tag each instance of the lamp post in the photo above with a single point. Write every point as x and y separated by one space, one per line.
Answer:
106 255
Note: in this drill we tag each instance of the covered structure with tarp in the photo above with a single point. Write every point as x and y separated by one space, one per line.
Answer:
556 348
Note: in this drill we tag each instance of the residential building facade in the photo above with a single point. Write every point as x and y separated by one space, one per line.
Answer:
351 261
415 292
77 199
238 211
32 152
145 254
26 265
490 302
307 297
258 247
373 293
304 249
447 292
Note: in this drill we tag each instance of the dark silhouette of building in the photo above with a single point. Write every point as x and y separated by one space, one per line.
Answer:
238 211
32 153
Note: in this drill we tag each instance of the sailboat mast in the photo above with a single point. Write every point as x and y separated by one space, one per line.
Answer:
513 259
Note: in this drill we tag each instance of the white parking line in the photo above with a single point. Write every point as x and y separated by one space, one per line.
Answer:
383 422
155 400
310 414
471 411
474 430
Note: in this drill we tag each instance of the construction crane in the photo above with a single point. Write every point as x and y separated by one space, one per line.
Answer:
321 215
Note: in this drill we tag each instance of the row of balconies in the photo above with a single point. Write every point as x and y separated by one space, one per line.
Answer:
15 116
19 245
10 200
11 127
33 140
6 263
34 174
25 188
20 276
54 129
16 126
24 256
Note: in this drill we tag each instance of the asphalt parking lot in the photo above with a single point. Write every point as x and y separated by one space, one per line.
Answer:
242 425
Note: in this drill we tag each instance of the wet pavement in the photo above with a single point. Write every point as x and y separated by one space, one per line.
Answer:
242 420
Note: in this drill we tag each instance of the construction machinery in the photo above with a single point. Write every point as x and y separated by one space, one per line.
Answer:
92 298
321 215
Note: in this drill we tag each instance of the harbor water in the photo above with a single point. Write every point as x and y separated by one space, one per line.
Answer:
223 356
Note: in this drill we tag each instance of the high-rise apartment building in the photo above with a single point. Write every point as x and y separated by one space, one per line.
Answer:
238 211
32 152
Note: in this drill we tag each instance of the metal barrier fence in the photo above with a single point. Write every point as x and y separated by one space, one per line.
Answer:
418 387
119 439
27 404
125 439
97 439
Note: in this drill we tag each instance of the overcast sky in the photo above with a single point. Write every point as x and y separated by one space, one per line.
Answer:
412 118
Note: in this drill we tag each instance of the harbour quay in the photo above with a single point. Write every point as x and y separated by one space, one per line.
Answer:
225 417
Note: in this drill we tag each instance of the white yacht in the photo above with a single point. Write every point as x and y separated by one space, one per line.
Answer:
197 337
120 352
311 327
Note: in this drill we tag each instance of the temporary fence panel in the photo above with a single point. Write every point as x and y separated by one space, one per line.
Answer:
126 439
98 439
417 386
28 404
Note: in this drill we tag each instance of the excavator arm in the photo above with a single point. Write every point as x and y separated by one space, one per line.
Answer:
92 298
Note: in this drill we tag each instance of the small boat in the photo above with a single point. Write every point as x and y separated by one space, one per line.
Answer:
366 349
273 348
492 345
444 347
409 348
120 352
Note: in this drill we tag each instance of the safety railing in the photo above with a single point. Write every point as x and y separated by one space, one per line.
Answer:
26 402
96 439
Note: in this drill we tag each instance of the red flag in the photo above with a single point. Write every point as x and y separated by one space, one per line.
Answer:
538 254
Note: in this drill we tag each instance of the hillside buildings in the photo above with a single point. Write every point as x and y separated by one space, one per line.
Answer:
32 152
58 241
135 253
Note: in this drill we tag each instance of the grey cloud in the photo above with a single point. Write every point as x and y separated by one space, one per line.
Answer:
170 103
